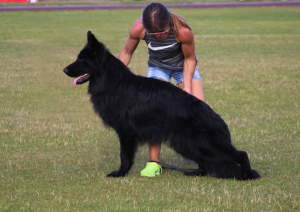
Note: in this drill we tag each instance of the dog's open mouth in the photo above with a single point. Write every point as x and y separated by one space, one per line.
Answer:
81 79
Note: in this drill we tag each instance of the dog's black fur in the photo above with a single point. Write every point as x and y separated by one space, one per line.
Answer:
143 110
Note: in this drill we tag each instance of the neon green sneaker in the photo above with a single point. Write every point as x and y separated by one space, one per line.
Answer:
151 169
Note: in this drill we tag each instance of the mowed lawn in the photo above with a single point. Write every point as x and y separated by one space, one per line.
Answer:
55 152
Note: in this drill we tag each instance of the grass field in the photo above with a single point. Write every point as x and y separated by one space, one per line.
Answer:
55 152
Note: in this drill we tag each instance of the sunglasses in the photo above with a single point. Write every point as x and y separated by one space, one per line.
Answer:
157 33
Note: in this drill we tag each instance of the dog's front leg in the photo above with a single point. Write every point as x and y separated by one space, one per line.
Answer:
128 147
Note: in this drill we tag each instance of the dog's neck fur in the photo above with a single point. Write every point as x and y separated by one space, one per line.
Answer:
112 74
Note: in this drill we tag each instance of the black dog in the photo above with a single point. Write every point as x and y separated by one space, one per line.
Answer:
143 110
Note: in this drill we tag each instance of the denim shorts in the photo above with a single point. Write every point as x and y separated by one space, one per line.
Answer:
165 74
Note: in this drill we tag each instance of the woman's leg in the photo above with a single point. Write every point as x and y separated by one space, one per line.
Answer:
151 168
154 151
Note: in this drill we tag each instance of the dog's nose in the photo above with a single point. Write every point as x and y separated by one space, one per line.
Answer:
66 70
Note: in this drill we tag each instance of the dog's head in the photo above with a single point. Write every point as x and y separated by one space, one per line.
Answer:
87 62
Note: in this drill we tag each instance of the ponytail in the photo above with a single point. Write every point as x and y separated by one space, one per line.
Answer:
178 22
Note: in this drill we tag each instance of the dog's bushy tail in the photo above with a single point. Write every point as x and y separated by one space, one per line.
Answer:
230 169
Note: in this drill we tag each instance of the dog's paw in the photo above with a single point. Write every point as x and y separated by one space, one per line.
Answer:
116 173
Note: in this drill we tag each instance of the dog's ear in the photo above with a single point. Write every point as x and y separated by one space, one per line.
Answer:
91 38
93 44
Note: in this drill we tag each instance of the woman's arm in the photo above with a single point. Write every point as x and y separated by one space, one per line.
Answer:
136 33
186 39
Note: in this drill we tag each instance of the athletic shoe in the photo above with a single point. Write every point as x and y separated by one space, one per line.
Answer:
151 169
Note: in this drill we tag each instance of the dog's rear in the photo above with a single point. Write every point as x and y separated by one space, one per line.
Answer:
207 142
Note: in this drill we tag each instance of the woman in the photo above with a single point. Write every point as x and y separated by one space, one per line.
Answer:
171 50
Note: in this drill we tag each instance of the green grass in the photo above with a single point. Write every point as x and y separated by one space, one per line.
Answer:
55 152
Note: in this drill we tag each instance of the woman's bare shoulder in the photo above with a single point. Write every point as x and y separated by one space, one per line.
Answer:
137 30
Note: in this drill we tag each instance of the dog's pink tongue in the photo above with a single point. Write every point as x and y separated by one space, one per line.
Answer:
75 81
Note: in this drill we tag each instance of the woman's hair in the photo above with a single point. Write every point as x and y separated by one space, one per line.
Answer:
156 17
178 22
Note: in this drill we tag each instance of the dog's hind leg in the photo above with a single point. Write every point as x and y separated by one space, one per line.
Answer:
128 145
223 160
189 153
237 167
201 171
248 173
240 165
243 160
